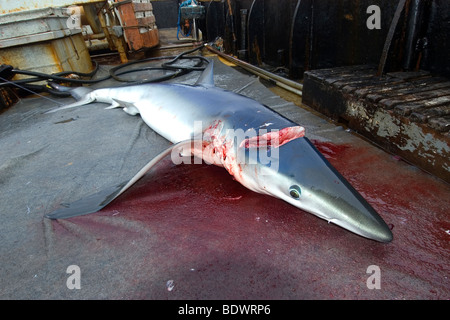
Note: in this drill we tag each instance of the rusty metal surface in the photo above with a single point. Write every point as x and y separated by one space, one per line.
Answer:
139 24
41 40
14 6
407 113
64 54
26 27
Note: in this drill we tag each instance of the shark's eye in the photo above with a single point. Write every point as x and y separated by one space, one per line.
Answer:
295 192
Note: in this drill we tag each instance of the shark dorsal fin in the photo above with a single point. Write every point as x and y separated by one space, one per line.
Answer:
206 79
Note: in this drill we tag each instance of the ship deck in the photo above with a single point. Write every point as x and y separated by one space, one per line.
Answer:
191 231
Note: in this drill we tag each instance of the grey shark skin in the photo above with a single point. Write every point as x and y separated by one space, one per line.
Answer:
302 176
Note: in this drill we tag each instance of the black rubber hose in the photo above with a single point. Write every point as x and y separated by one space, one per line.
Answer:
178 70
169 65
39 76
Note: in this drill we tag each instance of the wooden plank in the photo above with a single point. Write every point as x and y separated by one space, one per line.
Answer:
425 98
407 108
375 94
425 115
441 124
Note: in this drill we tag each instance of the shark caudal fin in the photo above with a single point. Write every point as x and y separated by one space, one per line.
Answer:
78 93
81 94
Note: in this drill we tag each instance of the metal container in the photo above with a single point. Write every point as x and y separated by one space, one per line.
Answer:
43 40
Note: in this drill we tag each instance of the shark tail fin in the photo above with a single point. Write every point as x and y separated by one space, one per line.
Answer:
78 93
81 94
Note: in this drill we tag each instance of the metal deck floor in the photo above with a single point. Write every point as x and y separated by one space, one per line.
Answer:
191 231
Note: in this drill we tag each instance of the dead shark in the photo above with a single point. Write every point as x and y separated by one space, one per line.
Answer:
260 148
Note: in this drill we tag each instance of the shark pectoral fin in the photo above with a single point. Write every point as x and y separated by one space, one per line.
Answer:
99 200
114 105
128 107
274 138
177 148
86 205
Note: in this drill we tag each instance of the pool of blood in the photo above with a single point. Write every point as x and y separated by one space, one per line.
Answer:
205 220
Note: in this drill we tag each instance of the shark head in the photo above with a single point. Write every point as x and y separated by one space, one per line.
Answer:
301 176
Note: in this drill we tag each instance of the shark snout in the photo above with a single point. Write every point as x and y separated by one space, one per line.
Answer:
384 235
371 226
310 183
342 205
347 210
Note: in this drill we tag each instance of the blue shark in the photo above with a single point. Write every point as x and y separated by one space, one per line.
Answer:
261 149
